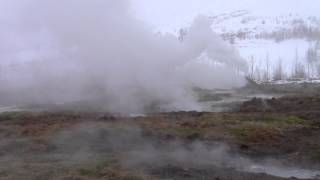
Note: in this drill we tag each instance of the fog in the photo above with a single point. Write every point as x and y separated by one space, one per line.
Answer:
58 52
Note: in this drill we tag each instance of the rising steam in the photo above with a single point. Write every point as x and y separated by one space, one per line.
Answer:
97 52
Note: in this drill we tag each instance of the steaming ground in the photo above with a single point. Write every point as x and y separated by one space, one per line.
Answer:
98 143
96 52
71 60
271 139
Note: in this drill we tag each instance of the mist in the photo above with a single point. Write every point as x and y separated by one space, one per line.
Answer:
96 52
89 142
83 142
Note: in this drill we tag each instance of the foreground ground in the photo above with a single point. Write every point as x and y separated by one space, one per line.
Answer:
265 139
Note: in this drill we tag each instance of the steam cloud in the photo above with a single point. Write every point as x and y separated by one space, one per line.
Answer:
97 52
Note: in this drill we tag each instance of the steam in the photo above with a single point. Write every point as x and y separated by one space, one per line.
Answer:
97 52
138 150
84 143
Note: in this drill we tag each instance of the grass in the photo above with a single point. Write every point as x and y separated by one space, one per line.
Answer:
240 120
275 120
248 128
316 156
256 134
253 128
111 170
132 177
25 115
96 170
9 116
188 133
218 121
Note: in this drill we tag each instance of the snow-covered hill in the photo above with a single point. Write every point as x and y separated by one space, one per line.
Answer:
267 41
242 24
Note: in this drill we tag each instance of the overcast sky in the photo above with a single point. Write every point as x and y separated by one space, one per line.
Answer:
173 13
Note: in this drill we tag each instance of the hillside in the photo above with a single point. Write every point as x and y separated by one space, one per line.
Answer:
272 40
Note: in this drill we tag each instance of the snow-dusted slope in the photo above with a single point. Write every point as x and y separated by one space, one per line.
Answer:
284 39
246 25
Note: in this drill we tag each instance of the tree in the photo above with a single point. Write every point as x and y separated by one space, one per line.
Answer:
232 40
311 57
317 53
257 73
296 60
278 72
252 67
300 71
266 75
182 34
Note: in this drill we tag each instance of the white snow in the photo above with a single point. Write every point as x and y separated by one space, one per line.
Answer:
253 24
256 50
259 49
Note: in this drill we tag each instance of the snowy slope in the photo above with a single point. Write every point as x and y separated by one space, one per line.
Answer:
243 21
284 39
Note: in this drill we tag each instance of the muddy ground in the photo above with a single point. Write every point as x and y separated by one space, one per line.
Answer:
265 139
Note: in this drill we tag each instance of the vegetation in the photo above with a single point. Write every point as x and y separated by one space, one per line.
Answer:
189 133
110 170
256 134
316 156
277 120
